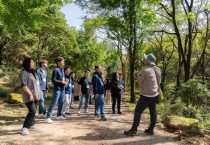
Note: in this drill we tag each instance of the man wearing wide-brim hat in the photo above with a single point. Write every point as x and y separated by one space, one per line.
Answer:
149 79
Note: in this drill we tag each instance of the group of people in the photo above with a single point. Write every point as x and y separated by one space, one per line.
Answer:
34 86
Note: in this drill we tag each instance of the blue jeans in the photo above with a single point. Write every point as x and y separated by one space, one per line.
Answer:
86 97
58 98
99 102
42 109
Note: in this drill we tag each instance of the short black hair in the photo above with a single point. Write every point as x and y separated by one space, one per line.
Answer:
87 70
66 67
114 76
96 66
59 59
26 64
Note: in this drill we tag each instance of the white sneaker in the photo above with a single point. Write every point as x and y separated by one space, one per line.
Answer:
24 131
33 128
79 111
49 121
86 111
61 118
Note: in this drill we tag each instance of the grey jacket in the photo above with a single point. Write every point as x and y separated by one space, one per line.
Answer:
149 79
32 82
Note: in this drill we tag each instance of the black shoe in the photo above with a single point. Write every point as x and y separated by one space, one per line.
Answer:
96 115
149 131
103 118
68 113
119 112
113 112
130 132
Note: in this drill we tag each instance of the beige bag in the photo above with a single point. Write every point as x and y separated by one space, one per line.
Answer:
161 96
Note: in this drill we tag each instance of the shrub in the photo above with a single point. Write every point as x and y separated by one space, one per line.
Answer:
194 93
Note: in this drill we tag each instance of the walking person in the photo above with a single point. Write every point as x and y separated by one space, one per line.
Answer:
42 74
116 88
148 79
59 82
84 91
98 91
31 93
68 91
108 95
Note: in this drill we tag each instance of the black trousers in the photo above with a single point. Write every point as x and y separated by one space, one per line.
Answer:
116 98
30 118
141 105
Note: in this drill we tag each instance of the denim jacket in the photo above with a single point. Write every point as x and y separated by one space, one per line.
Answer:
69 87
42 74
97 82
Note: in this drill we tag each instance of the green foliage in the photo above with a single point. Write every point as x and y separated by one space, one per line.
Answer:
194 93
3 92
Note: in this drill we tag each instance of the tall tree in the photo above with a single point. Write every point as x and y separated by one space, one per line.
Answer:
127 23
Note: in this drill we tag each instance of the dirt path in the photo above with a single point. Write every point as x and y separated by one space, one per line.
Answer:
85 129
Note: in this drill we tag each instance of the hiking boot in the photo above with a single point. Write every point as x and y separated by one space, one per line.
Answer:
149 131
24 131
96 115
130 132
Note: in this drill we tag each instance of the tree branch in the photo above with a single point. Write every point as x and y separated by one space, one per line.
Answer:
164 16
163 31
166 9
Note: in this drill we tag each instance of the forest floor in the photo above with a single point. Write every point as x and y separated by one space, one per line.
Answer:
80 129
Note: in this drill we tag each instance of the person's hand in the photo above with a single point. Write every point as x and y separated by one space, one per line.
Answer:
46 91
80 93
65 83
96 96
31 98
120 86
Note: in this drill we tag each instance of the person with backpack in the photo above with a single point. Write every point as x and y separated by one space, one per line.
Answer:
149 79
31 93
116 89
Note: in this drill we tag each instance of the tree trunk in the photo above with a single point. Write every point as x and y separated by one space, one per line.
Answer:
2 44
189 52
131 49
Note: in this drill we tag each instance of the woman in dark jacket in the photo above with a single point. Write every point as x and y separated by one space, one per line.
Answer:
116 88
